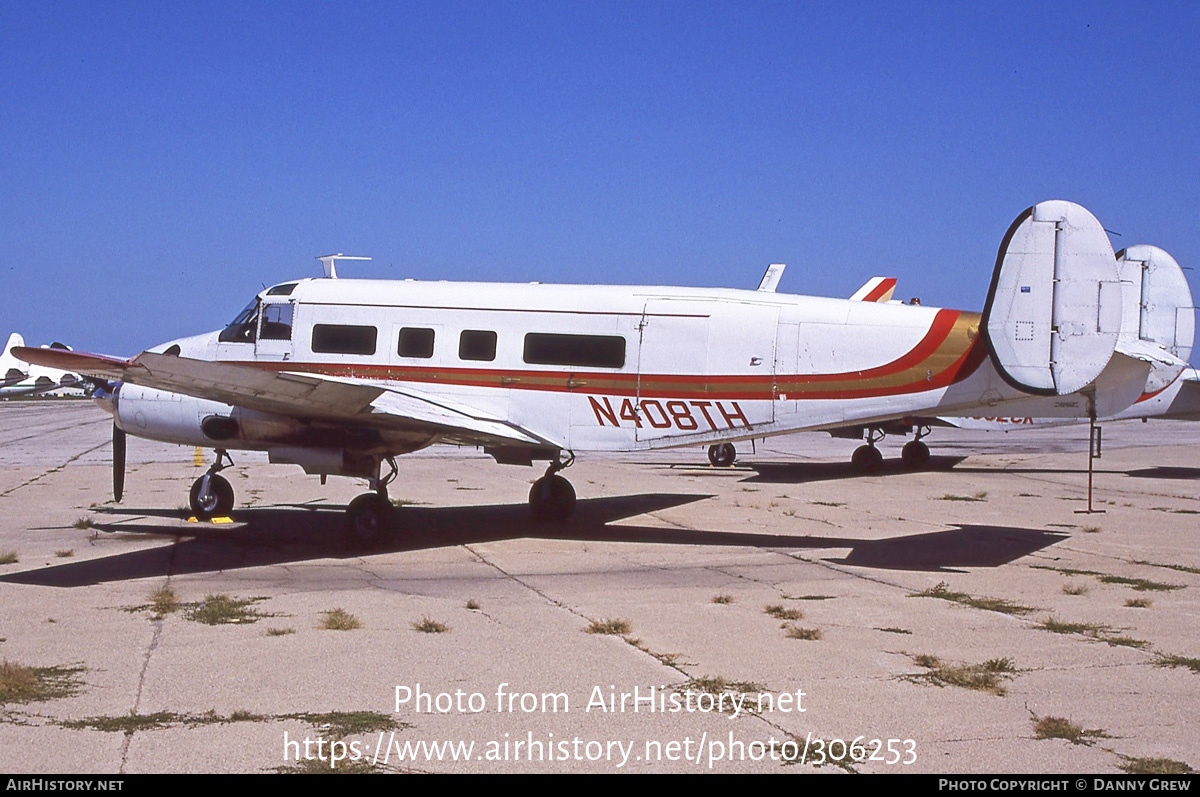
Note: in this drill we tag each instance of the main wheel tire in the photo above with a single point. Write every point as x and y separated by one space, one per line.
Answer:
914 455
368 517
722 455
551 499
216 502
866 459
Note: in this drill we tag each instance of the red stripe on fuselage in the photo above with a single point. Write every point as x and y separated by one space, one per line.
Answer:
731 386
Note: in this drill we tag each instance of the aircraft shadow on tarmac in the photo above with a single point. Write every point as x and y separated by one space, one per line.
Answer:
802 472
1165 473
283 534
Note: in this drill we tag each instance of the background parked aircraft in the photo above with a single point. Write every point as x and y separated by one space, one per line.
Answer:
19 378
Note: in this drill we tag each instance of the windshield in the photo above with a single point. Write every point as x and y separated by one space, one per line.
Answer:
244 328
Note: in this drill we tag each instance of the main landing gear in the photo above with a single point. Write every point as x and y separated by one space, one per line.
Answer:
722 455
370 514
867 459
552 498
211 495
914 455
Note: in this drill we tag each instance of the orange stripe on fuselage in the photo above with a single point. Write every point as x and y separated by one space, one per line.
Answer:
949 352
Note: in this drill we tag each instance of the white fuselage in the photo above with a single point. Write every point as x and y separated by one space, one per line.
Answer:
597 368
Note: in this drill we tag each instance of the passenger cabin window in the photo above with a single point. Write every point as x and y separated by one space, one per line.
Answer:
586 351
477 344
343 339
244 328
415 342
276 322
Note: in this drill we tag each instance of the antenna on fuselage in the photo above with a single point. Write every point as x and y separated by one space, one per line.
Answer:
770 278
329 262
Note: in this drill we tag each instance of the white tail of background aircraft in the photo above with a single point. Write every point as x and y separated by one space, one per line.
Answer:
18 378
339 376
12 370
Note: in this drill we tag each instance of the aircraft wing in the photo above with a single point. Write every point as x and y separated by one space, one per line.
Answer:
307 396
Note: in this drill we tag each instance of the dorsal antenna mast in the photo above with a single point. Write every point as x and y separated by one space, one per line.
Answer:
329 262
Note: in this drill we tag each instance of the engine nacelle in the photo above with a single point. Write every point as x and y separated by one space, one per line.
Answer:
318 448
174 418
168 417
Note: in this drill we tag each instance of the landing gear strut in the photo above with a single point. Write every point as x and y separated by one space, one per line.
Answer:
552 498
212 495
722 455
867 459
915 454
370 514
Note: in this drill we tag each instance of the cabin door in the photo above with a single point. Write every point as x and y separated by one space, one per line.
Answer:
705 366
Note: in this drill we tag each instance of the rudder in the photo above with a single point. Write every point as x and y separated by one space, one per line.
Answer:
1053 312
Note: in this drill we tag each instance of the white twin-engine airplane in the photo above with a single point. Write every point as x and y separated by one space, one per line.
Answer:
339 376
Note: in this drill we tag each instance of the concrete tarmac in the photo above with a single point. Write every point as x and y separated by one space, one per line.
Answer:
945 619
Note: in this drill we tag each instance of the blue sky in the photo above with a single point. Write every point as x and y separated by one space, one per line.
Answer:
161 162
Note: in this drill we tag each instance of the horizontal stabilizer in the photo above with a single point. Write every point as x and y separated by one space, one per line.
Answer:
1053 313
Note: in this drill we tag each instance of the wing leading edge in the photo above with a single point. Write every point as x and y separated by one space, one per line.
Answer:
306 396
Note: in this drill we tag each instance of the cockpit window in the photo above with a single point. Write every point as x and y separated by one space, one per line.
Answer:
244 328
282 290
276 322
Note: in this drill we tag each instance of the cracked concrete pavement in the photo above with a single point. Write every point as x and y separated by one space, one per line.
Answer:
656 542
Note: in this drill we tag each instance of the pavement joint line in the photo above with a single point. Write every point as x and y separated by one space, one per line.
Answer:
668 521
527 586
54 469
56 430
137 699
842 570
644 651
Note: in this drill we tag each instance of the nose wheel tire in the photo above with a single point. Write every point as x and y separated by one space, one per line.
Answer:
551 499
368 516
914 455
214 501
866 459
722 455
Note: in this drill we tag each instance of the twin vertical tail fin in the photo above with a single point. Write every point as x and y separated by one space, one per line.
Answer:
1065 314
1053 313
1158 319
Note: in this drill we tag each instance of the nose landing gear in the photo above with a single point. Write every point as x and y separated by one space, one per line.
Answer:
211 495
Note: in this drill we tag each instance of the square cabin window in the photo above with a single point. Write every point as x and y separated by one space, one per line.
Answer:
343 339
586 351
415 342
477 344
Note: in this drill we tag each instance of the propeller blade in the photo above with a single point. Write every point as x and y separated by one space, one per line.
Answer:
118 445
